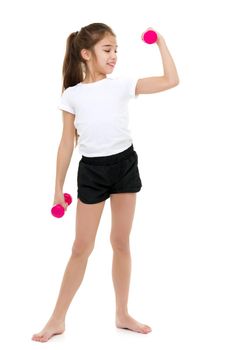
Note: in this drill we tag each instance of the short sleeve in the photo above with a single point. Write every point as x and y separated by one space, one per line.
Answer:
131 83
65 102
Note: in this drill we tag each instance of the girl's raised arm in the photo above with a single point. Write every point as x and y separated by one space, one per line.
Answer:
170 78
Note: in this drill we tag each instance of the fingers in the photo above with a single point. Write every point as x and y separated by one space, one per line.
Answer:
65 205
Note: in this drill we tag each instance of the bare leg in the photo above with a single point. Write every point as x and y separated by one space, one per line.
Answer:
87 222
123 208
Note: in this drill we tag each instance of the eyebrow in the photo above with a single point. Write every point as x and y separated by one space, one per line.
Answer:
109 45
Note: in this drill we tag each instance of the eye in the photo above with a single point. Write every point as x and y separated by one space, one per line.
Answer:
109 51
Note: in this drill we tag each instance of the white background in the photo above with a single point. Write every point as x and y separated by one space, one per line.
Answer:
181 240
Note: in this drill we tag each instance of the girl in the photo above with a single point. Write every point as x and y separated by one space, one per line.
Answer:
96 106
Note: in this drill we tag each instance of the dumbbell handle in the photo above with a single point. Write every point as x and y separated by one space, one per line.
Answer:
58 210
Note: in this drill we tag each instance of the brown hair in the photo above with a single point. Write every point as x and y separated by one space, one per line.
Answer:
74 65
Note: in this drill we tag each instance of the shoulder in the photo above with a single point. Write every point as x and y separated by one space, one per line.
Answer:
70 90
67 100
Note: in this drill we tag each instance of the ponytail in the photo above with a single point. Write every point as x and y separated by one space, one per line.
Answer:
72 65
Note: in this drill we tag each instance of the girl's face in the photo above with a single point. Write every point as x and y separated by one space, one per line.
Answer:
106 54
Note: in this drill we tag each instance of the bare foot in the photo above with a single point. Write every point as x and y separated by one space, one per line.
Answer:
53 327
128 322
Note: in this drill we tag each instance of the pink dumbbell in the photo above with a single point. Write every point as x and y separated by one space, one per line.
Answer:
149 36
58 210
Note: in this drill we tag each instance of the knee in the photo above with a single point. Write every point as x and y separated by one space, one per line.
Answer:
82 248
119 244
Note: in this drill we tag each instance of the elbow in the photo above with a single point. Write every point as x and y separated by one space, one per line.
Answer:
177 81
174 82
67 145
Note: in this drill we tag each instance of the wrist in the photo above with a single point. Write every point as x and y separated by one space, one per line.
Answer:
160 41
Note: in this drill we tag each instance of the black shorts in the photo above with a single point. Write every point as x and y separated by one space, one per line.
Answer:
98 177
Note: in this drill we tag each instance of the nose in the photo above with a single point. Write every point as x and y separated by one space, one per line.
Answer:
114 57
114 54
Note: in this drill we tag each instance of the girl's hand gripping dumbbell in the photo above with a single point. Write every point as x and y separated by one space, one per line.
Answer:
59 210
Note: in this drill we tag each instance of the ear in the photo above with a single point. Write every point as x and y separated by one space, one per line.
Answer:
85 54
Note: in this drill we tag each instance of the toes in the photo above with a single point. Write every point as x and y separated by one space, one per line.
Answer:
36 337
44 339
40 337
147 329
135 326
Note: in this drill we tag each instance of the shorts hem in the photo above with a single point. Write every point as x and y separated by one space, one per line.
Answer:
93 202
127 191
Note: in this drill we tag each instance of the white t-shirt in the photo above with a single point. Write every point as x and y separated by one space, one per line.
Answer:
101 114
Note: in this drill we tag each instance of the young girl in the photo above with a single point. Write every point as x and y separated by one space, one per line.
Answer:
96 106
